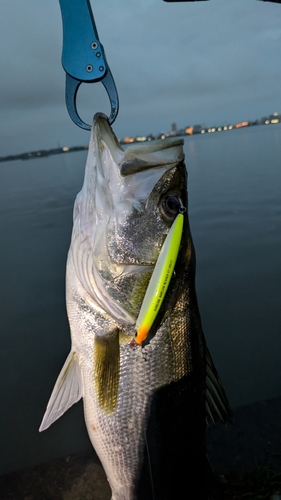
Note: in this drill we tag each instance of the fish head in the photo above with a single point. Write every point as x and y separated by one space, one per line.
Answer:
129 200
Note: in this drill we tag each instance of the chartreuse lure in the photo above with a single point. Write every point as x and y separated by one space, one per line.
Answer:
159 280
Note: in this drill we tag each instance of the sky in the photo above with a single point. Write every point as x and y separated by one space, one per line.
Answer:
208 63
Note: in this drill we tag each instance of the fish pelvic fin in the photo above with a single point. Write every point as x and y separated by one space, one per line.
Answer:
67 391
217 406
107 371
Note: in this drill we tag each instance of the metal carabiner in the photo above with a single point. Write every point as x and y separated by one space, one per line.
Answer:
83 57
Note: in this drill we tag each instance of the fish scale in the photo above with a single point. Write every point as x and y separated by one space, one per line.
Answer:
146 406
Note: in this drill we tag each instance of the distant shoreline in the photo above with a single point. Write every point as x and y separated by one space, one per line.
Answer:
196 129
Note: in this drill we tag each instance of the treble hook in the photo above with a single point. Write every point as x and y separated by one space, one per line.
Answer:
83 57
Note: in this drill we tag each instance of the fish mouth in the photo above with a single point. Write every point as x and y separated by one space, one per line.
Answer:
113 246
135 158
103 135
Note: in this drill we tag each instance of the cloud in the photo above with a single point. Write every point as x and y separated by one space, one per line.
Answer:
184 62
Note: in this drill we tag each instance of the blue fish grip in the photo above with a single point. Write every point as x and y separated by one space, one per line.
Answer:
83 57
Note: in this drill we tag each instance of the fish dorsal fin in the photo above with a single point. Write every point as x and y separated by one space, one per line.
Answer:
217 406
106 370
67 391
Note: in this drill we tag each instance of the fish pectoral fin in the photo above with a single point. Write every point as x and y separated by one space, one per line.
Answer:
217 406
67 391
106 371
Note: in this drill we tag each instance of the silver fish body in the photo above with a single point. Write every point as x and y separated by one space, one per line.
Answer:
145 405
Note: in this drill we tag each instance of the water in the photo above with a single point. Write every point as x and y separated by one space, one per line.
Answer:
234 210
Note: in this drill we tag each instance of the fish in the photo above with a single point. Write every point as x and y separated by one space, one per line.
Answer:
146 404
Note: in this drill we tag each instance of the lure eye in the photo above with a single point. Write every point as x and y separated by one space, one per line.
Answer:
171 205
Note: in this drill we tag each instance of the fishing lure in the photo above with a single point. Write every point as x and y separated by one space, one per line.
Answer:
159 280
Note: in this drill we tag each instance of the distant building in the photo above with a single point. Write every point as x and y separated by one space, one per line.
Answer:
197 129
181 131
174 128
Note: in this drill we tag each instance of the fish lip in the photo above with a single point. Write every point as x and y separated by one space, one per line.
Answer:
103 134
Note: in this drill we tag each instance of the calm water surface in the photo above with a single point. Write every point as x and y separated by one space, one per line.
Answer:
235 216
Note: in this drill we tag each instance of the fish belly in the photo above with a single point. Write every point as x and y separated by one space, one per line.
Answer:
152 445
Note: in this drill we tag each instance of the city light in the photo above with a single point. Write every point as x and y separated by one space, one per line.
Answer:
242 124
128 139
274 118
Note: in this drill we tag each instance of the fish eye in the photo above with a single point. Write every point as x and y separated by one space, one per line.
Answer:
171 205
